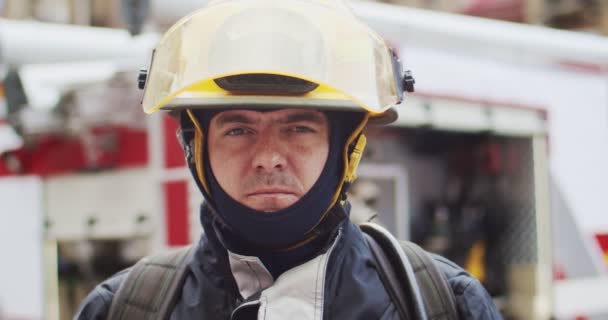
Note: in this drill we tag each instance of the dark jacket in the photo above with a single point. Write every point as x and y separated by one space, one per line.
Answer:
339 283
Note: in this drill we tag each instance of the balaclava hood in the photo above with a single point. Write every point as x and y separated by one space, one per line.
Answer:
297 223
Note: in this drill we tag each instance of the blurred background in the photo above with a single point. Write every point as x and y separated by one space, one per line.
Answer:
499 161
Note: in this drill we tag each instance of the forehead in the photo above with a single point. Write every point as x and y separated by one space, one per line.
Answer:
270 116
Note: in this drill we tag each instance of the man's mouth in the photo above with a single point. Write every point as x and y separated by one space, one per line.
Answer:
271 192
271 199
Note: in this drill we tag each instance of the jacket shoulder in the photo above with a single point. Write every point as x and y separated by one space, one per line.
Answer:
97 304
472 300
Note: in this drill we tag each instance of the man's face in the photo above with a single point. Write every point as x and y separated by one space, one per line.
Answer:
268 160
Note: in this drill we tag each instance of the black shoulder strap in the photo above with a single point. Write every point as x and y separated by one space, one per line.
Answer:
427 282
390 279
437 293
151 287
396 272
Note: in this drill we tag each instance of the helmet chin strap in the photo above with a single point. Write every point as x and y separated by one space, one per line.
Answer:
311 216
355 159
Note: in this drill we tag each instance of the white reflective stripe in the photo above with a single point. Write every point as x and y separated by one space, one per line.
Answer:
299 292
250 274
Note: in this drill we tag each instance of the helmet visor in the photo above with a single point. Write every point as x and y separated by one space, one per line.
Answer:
311 40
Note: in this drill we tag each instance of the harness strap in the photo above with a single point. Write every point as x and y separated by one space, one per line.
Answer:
427 286
151 287
437 294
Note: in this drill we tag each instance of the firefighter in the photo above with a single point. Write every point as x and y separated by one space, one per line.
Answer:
272 97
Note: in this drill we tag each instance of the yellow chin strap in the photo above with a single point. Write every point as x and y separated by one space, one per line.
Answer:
355 158
352 160
198 151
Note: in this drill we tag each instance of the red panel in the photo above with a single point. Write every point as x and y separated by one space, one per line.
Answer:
174 155
133 148
111 147
603 239
48 155
119 147
176 213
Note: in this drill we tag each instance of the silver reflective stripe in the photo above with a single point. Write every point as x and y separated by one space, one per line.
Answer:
250 274
299 292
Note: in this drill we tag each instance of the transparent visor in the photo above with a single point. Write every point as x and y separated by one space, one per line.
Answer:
309 40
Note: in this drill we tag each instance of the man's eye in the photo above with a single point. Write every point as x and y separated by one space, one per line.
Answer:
301 129
236 132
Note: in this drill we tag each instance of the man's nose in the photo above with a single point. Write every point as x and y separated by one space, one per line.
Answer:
269 153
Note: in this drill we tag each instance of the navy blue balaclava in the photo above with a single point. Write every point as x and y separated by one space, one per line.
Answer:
295 224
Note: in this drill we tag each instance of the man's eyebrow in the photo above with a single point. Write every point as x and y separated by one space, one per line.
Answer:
234 118
309 116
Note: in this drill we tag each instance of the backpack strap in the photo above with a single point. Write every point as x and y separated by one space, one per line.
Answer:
431 287
152 286
396 272
390 278
437 293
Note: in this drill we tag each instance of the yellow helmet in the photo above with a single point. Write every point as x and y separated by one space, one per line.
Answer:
269 53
